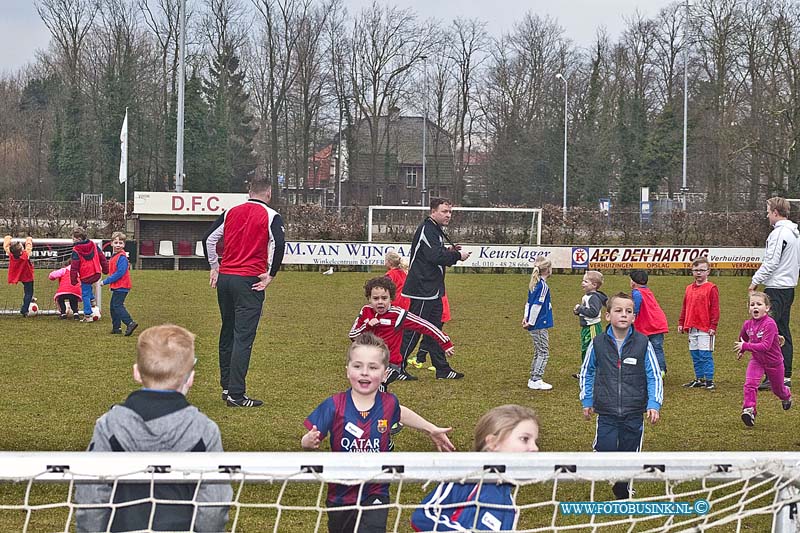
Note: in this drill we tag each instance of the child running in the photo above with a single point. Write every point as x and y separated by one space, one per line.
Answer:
20 269
699 318
538 319
388 322
589 310
485 506
66 293
358 420
119 278
759 336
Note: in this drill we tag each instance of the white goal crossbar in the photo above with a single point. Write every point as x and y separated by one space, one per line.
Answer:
736 486
536 216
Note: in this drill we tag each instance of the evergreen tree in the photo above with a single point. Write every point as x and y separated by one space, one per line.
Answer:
231 128
197 166
69 160
664 148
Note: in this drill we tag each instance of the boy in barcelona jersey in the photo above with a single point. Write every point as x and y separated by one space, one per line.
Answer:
359 420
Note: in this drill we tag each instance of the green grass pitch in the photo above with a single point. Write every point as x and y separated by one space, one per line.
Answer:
59 376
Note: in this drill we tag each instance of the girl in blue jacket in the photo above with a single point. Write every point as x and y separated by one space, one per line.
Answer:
486 506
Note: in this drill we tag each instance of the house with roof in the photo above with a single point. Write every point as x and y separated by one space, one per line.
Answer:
383 163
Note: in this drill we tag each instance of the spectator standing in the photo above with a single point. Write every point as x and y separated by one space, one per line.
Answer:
778 273
253 234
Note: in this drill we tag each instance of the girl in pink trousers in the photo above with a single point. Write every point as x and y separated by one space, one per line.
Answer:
759 336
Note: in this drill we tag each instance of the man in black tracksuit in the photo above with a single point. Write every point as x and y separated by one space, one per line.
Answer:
425 283
620 380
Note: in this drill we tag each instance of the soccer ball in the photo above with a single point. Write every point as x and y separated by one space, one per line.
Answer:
95 314
33 308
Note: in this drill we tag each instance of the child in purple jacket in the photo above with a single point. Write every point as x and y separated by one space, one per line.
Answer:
759 336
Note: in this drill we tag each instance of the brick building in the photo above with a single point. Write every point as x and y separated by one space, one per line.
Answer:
392 175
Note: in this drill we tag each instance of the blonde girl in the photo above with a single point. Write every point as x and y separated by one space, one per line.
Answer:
397 273
487 506
538 319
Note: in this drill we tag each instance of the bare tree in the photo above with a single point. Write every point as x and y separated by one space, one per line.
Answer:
717 22
310 80
275 76
468 47
385 43
69 22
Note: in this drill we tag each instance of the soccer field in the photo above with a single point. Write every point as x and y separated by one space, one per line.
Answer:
60 375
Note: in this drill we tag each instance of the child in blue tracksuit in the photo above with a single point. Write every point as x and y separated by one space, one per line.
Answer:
620 380
487 506
538 319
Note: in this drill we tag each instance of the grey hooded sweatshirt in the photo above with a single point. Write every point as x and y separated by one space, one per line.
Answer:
154 421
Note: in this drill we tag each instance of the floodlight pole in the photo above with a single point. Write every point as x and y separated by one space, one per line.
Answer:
181 82
566 101
684 188
424 128
339 167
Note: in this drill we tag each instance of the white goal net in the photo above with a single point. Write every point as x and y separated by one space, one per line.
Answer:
48 255
674 491
476 225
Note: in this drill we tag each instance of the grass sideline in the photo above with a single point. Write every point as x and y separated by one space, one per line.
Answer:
60 375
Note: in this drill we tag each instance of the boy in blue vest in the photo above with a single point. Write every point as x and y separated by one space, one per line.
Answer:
359 420
620 380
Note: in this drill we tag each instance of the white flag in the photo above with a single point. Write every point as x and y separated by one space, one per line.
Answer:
123 148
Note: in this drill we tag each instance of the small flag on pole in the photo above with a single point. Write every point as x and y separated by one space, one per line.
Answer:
123 148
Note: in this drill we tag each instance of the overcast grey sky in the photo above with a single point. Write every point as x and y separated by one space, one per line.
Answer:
22 31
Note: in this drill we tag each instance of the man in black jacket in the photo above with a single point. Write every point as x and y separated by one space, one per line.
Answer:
425 283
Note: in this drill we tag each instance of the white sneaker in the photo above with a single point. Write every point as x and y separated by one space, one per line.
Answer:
539 385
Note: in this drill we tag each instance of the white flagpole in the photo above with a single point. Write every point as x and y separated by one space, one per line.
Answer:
123 161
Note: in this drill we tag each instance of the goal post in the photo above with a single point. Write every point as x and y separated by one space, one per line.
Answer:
675 491
476 225
47 255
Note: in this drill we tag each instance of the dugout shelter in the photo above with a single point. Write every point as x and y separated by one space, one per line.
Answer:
169 226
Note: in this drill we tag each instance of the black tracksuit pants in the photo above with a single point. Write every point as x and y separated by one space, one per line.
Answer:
781 301
430 310
240 307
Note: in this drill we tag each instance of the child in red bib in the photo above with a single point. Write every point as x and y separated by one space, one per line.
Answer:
88 263
20 269
119 278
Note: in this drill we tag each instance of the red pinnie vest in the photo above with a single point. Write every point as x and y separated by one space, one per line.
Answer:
20 269
125 281
651 318
90 264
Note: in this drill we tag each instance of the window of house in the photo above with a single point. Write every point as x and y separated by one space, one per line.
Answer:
411 177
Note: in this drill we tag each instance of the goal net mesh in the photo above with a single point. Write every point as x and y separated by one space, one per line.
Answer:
48 255
286 491
468 225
